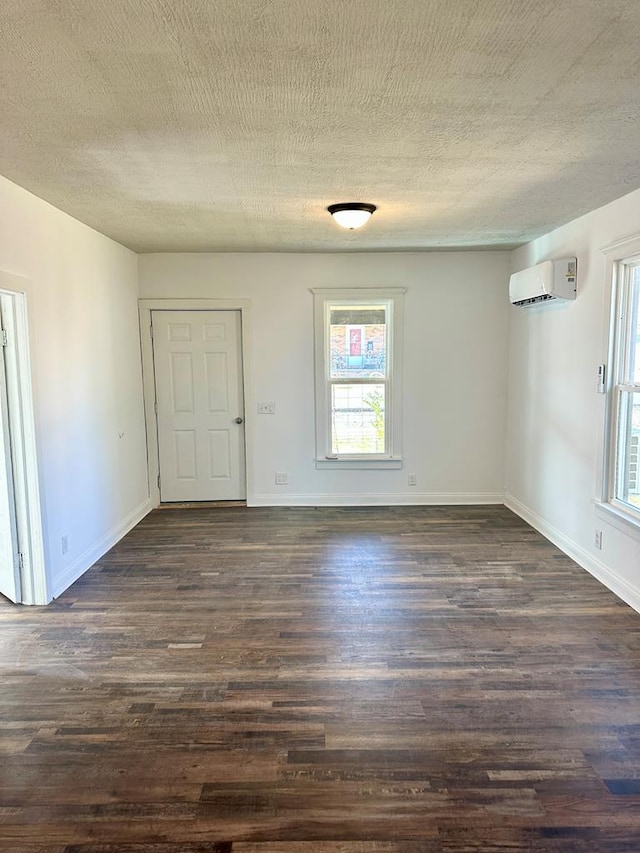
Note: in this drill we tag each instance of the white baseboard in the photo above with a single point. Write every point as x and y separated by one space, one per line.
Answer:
380 499
99 548
619 586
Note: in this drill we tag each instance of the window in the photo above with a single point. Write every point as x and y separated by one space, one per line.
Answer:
357 377
624 485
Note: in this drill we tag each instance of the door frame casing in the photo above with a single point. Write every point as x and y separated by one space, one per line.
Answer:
20 399
145 307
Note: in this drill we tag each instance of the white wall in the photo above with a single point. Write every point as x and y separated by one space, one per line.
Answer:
82 302
455 367
555 416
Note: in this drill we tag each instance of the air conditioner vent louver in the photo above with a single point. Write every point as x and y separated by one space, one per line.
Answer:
543 282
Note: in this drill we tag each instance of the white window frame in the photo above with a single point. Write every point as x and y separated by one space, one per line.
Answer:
392 298
619 383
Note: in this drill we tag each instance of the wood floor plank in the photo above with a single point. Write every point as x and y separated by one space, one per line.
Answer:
329 680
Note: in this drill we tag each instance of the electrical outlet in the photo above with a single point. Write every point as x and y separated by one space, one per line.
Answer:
413 479
598 540
281 478
65 544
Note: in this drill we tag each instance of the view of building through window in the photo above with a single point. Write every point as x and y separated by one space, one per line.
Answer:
357 373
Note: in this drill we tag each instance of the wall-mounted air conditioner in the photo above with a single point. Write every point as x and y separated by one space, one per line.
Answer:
548 280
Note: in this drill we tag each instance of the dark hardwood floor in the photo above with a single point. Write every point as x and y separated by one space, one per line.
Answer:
389 680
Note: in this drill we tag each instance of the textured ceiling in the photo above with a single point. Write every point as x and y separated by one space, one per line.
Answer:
229 125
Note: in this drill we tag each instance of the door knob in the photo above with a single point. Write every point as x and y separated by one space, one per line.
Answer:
239 421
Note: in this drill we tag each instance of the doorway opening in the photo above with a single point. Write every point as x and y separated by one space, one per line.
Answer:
22 567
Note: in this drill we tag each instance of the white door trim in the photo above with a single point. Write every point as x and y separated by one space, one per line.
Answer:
29 512
146 306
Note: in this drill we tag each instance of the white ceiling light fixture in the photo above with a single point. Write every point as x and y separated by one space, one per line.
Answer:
351 214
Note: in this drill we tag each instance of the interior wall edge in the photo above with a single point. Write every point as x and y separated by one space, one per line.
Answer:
620 587
98 549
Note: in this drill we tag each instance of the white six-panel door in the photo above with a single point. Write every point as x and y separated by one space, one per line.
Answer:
198 382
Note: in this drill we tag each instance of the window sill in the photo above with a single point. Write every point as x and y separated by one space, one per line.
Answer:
352 463
619 518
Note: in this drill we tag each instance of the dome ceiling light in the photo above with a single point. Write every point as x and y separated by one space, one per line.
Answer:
351 214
